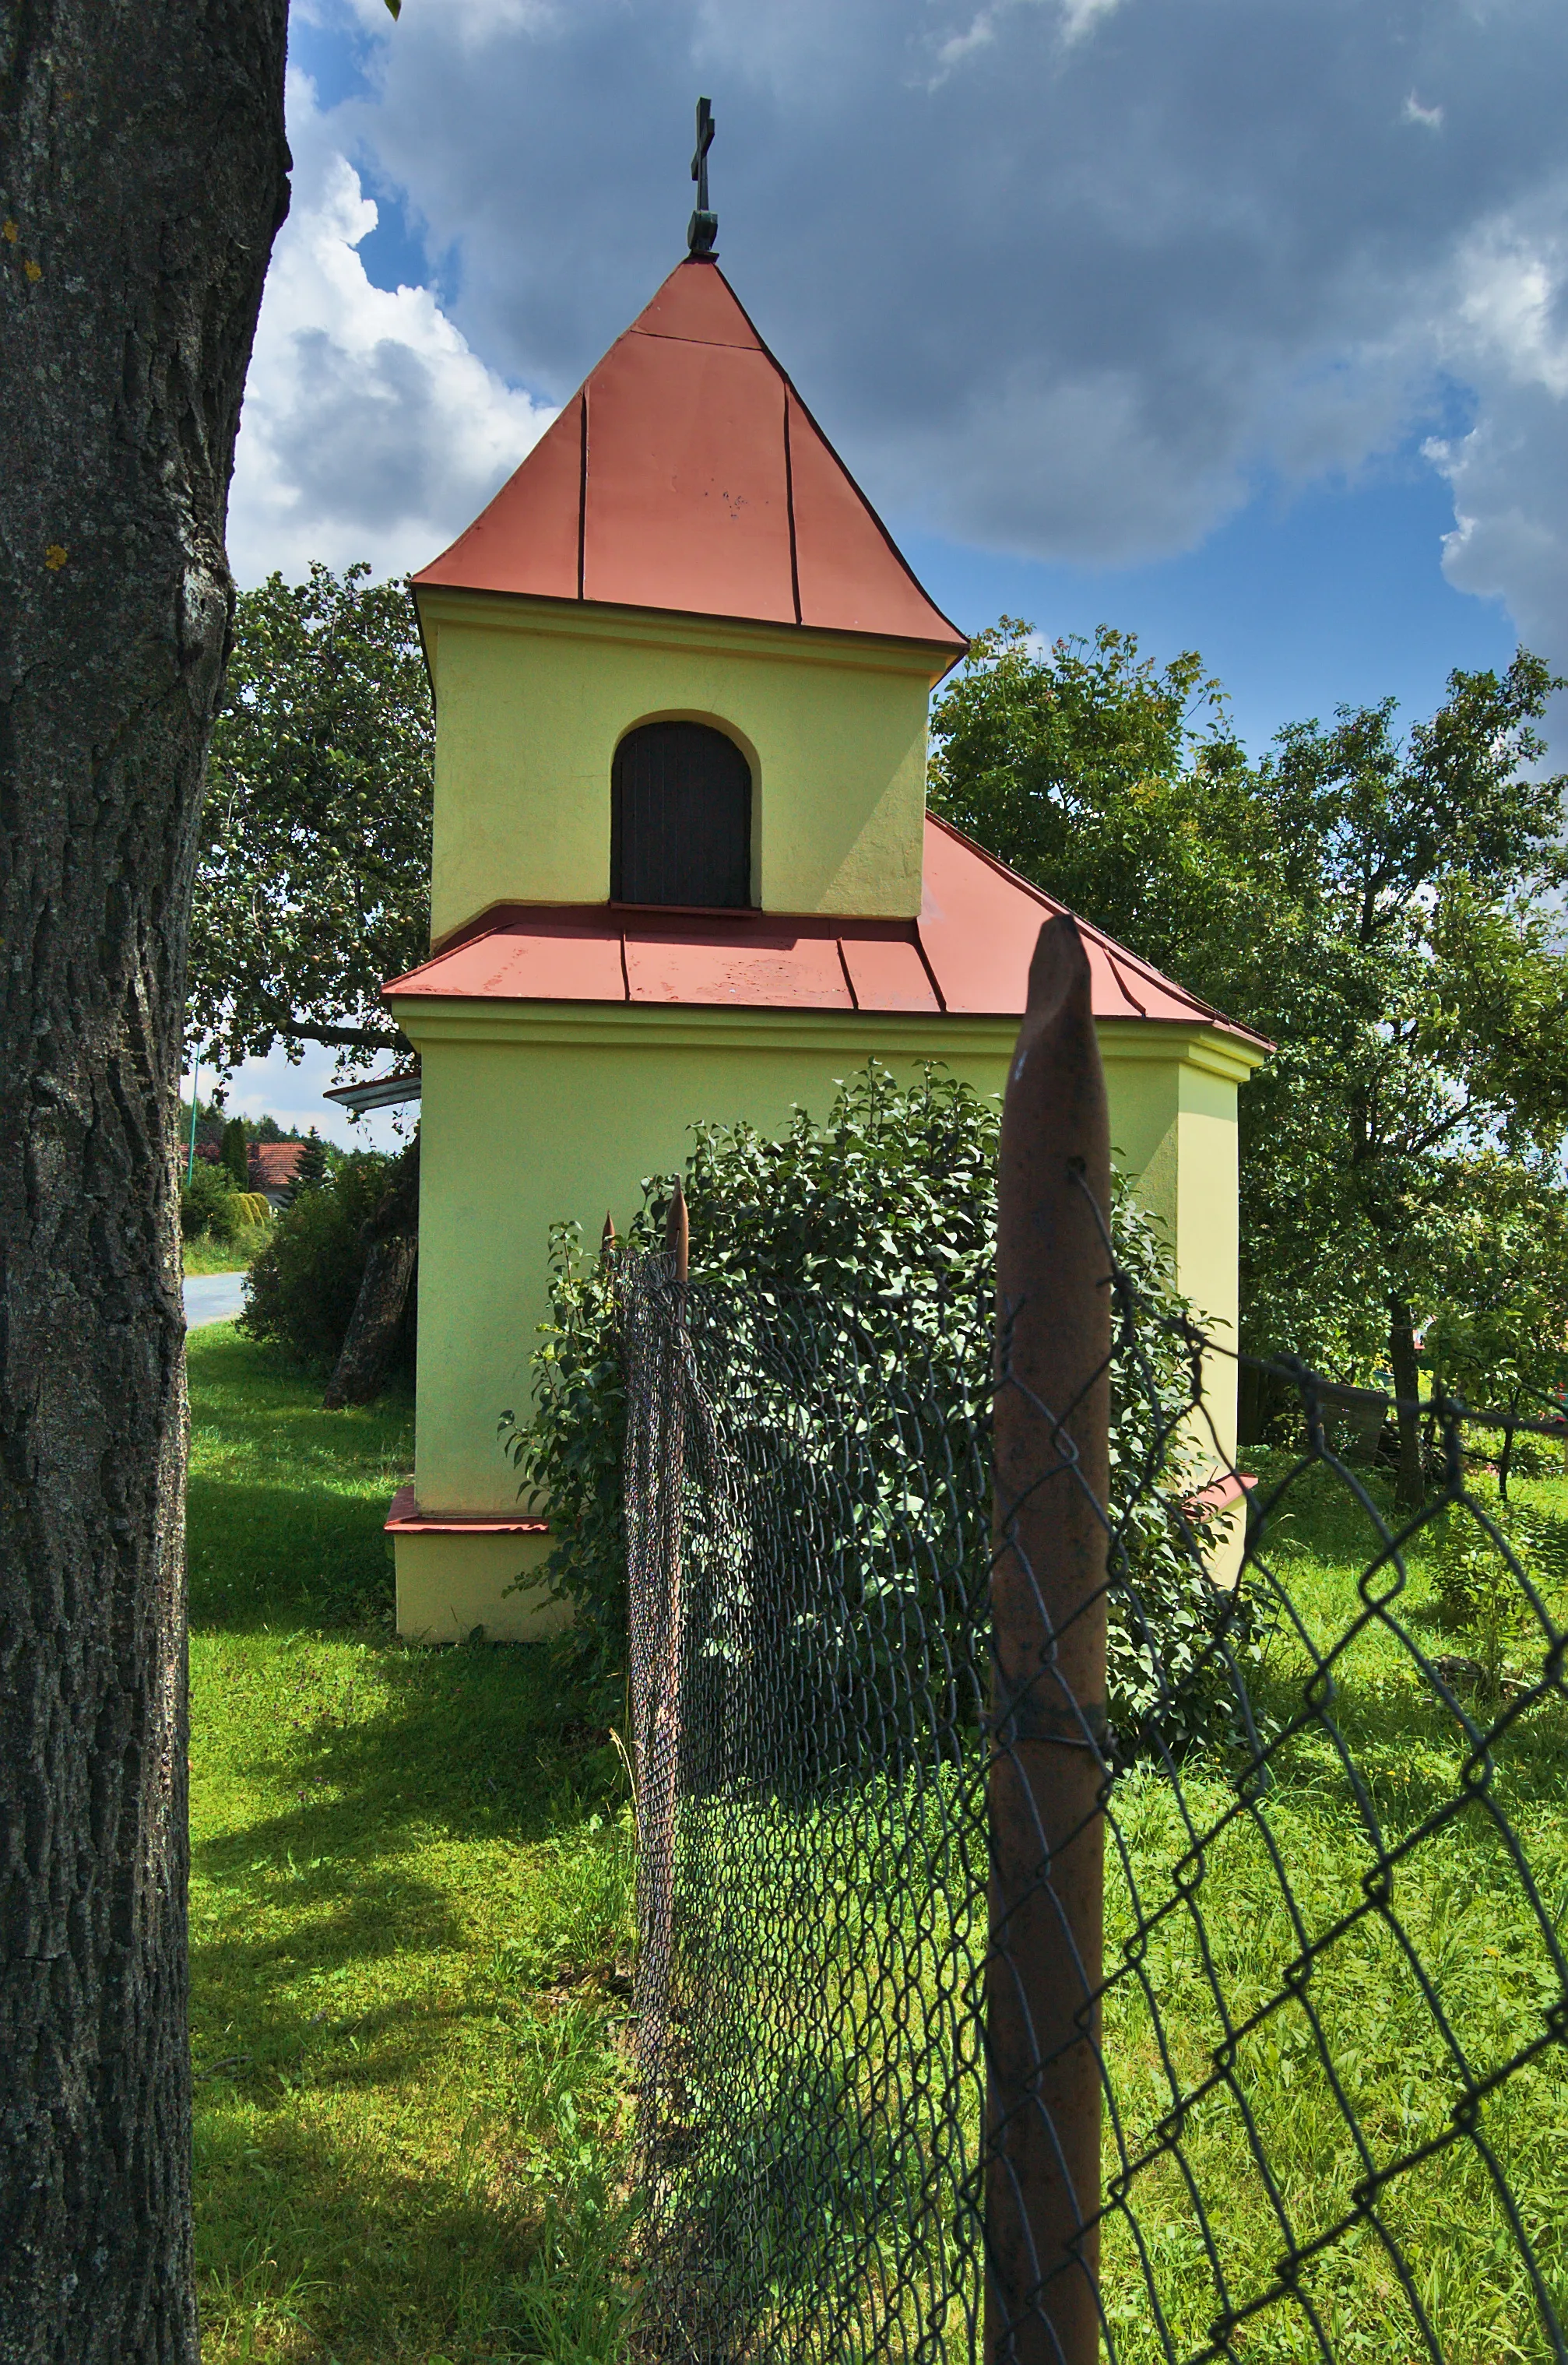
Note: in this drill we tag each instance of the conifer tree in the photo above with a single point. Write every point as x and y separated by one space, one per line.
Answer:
235 1152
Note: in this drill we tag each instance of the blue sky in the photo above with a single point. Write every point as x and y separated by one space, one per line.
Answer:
1297 604
1243 327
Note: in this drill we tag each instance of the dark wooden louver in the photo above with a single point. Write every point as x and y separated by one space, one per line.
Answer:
680 818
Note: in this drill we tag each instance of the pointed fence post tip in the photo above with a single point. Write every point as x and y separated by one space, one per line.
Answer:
607 1237
1059 962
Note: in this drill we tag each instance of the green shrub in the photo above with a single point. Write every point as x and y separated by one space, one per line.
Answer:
252 1209
890 1205
1481 1600
208 1202
300 1290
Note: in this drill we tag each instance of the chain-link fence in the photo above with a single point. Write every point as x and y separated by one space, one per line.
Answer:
1083 1898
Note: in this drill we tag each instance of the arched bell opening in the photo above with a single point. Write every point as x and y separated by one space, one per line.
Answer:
680 818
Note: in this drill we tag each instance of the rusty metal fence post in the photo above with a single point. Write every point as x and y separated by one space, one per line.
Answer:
1047 1774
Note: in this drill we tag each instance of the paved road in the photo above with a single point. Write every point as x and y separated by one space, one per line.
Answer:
213 1297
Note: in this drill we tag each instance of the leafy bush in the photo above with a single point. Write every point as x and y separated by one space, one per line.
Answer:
892 1204
1480 1599
301 1289
208 1202
253 1209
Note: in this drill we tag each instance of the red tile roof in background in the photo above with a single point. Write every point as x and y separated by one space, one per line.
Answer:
687 474
968 953
273 1163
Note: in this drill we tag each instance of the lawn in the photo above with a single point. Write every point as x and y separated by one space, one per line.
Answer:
205 1254
409 1927
1308 1998
1459 1904
411 1934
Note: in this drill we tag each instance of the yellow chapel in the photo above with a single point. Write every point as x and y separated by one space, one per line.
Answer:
683 870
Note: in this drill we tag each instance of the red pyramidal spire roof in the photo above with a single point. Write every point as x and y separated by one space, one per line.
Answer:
688 474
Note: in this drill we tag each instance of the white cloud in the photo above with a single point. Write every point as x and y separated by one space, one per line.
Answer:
1506 335
467 20
1078 16
293 1094
371 429
1120 494
1073 297
1077 19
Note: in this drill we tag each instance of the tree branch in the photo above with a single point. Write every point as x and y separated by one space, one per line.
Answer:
349 1037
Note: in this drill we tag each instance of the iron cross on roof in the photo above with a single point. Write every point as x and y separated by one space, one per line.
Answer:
703 227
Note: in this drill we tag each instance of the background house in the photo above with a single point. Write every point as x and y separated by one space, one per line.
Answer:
683 870
274 1165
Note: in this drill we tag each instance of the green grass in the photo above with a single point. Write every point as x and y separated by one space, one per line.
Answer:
1455 1899
411 1931
205 1254
409 1927
814 1987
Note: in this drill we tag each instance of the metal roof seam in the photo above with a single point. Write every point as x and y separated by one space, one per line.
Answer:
1117 954
668 337
972 944
789 504
926 964
858 490
669 410
1111 952
582 494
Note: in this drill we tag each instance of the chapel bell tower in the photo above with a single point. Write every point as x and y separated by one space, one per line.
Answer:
678 660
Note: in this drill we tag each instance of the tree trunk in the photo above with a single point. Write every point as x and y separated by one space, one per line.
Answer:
1409 1488
1506 1459
141 182
367 1350
372 1334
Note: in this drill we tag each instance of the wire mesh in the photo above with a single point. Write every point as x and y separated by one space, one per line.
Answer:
1332 2028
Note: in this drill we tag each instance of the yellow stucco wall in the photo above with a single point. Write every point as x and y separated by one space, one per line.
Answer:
447 1584
533 696
536 1111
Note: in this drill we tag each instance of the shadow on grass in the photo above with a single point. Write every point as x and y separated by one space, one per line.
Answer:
264 1553
469 1742
287 1503
408 1899
304 2253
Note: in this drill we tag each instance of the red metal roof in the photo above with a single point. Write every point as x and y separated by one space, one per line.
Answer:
968 953
273 1163
688 474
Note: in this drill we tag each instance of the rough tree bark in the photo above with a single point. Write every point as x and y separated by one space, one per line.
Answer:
143 179
392 1237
